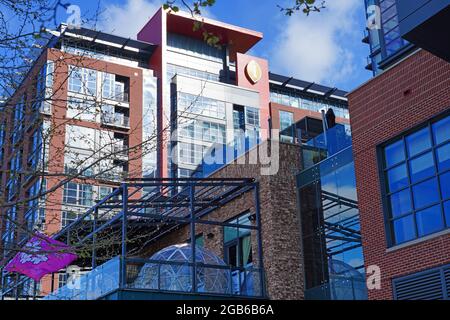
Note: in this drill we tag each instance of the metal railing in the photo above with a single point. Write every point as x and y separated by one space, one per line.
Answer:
115 119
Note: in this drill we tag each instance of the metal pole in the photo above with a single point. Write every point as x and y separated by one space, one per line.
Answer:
94 238
123 271
2 283
192 211
260 249
16 289
34 289
53 282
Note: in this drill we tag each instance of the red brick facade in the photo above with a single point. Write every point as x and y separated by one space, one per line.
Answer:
399 99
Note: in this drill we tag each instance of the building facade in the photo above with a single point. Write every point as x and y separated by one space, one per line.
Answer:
97 109
401 129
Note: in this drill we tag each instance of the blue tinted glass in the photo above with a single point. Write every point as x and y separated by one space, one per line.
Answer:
418 142
441 130
404 229
397 178
425 193
429 220
401 203
445 185
421 167
443 157
447 212
394 153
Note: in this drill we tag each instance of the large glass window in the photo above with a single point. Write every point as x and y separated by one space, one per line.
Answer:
82 80
81 109
416 171
286 129
238 253
201 105
78 194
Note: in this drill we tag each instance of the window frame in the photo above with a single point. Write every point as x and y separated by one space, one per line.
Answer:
385 193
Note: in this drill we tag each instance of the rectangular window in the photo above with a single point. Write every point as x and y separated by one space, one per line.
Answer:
82 80
416 172
78 194
201 105
81 109
286 128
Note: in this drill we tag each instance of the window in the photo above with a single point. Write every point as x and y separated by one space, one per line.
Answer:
238 254
416 171
82 80
201 105
252 116
286 122
190 153
81 109
172 70
78 194
68 217
194 47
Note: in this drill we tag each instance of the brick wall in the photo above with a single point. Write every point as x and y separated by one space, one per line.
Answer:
280 228
410 93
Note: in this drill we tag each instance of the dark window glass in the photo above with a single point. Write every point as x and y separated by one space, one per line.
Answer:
401 203
418 182
418 142
421 167
394 153
447 212
429 220
445 185
397 178
441 130
443 157
404 229
425 193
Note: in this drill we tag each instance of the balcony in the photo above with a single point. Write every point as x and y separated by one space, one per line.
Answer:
180 270
120 151
152 278
115 120
45 108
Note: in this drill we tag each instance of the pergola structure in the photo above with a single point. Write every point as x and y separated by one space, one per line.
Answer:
139 213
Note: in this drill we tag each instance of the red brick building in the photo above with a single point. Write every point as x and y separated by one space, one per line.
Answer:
394 106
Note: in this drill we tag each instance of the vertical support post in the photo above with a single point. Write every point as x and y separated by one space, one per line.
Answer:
94 239
52 288
34 289
2 283
192 221
16 288
260 251
123 267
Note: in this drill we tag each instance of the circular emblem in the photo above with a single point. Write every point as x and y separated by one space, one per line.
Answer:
253 71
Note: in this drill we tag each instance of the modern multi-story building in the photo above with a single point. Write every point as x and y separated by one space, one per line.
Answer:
97 109
400 123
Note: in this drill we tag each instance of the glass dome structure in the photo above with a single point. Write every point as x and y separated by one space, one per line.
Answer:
178 277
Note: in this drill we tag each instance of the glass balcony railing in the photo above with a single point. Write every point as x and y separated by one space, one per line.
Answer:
117 96
120 150
161 276
333 140
116 119
91 286
339 288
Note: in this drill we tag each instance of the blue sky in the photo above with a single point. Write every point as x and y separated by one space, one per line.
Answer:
325 47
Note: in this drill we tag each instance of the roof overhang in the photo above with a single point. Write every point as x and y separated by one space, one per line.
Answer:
238 39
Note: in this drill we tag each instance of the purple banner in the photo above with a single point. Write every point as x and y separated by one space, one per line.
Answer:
41 255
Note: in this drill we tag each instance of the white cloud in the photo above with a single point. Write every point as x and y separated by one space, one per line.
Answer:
316 48
128 19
